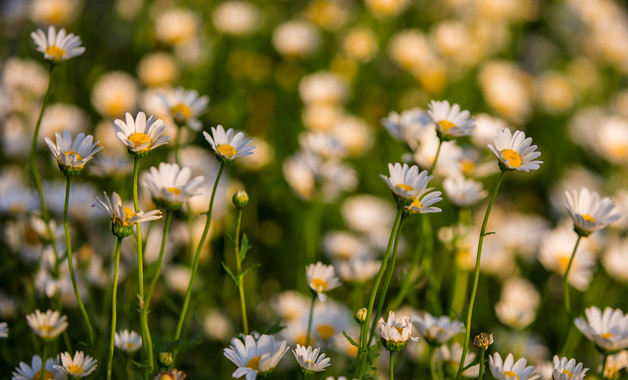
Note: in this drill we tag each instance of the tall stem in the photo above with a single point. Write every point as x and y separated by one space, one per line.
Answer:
114 307
240 277
476 277
433 372
188 293
309 321
68 243
482 352
42 372
391 365
362 360
566 281
440 143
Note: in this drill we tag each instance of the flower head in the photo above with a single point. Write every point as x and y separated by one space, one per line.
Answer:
567 369
123 218
228 146
48 325
509 369
184 106
515 151
79 366
437 330
395 333
463 192
173 374
588 212
57 46
33 372
72 157
321 278
608 329
128 341
255 357
422 203
406 182
171 186
450 120
141 135
309 359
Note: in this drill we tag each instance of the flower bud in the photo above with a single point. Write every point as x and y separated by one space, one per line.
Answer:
360 315
165 358
483 340
240 199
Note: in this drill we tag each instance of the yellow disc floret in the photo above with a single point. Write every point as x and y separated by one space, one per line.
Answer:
254 363
569 374
588 218
226 150
319 284
181 109
173 190
513 158
47 375
75 369
446 125
325 331
139 139
55 52
511 374
404 187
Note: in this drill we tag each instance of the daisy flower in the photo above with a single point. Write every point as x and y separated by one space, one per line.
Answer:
321 278
33 372
508 369
4 330
608 329
435 330
123 218
567 369
463 192
407 126
70 156
406 181
173 374
47 325
171 186
141 135
422 203
57 46
395 333
79 366
588 212
255 357
228 146
451 122
128 341
184 106
309 359
515 151
358 270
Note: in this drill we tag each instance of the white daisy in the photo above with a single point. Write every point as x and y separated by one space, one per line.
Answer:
463 192
509 369
70 156
123 218
170 185
437 330
253 357
358 270
33 372
407 126
395 333
405 181
47 325
450 120
309 359
588 212
321 278
57 46
228 146
128 341
4 330
79 366
567 369
141 135
608 329
422 203
518 303
515 151
185 106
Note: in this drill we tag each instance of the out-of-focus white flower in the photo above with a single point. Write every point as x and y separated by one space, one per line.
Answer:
518 303
556 92
360 43
515 151
321 278
184 106
57 46
486 128
615 260
236 18
158 69
48 325
296 39
114 94
607 329
342 245
54 12
323 145
507 369
588 212
24 75
464 192
128 341
217 325
507 89
33 371
253 357
387 8
176 26
614 364
60 117
408 126
437 330
358 270
323 88
567 369
450 120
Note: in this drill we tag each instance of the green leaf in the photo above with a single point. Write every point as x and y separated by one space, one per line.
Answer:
353 343
236 280
244 247
177 345
274 329
248 269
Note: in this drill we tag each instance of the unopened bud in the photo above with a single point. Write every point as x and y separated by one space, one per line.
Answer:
165 358
240 199
483 340
360 315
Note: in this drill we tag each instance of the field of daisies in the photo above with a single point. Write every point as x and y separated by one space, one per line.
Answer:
322 189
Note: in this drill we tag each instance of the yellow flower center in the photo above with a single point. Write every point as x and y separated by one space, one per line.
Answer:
226 150
47 375
416 203
75 369
69 153
128 214
606 335
513 158
404 187
588 218
467 166
56 52
446 125
181 109
166 376
46 329
139 139
325 331
129 346
254 363
511 374
399 330
619 150
569 374
319 284
115 107
301 339
174 190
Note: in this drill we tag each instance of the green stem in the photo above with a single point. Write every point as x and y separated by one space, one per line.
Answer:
188 293
240 284
440 143
409 278
153 283
476 277
428 256
391 365
177 143
68 243
140 272
42 372
362 361
433 371
309 321
481 374
114 308
604 360
566 281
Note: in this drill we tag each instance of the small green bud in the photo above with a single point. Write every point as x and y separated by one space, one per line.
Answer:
240 199
165 358
360 315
